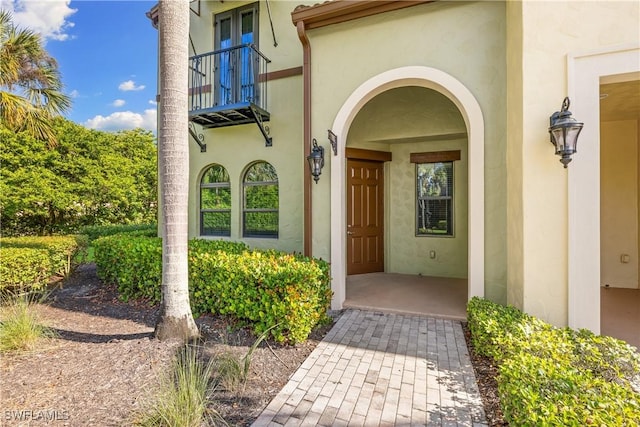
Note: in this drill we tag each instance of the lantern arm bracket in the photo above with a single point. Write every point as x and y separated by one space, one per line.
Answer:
333 139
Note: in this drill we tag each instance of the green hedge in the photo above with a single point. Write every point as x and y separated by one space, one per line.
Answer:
133 263
96 231
266 289
556 376
24 268
30 262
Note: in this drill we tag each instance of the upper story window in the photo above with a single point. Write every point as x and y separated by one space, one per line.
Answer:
215 202
237 68
260 201
237 26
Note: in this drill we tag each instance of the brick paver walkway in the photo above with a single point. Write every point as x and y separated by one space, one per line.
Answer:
376 369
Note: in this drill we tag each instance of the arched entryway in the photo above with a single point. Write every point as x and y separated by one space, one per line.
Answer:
461 97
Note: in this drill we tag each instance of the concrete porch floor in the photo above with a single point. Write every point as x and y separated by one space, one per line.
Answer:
620 314
447 298
409 294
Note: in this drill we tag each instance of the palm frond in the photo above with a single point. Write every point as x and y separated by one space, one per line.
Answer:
30 82
19 115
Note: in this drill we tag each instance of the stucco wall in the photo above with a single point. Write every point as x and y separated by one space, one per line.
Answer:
619 203
345 55
546 33
515 242
237 147
287 53
410 254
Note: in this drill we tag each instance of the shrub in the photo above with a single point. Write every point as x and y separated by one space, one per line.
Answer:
32 261
212 246
607 357
556 376
133 263
495 328
288 292
543 391
24 268
265 288
96 231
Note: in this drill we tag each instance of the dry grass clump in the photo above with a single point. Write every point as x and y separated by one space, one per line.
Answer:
20 326
185 395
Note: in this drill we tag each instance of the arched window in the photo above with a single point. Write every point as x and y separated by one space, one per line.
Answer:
260 201
215 202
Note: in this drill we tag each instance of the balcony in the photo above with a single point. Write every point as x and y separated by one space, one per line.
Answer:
228 87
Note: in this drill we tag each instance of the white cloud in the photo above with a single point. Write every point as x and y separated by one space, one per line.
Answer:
122 120
129 85
153 102
118 103
47 18
74 93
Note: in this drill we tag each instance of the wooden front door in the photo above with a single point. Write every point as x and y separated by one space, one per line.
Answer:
365 216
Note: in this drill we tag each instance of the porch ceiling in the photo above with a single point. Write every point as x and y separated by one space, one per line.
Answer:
407 115
620 101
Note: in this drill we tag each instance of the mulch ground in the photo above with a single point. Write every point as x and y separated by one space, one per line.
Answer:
486 372
104 364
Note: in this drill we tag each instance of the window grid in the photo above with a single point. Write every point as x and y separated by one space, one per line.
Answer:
434 199
260 214
215 202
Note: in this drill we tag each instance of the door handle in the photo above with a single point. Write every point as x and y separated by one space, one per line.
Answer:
349 232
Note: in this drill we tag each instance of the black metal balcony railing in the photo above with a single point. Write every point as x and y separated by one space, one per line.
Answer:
228 87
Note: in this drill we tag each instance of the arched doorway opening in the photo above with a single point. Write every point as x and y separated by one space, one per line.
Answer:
459 96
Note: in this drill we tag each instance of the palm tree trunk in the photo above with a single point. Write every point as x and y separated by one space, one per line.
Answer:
175 320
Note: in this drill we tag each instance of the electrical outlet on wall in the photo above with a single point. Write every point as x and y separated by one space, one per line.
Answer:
432 254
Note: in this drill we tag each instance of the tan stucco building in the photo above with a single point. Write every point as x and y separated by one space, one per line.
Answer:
439 111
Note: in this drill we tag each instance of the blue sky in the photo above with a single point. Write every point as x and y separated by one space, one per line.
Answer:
107 54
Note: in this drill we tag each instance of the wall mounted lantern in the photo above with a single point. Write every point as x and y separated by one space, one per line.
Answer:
316 160
564 131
